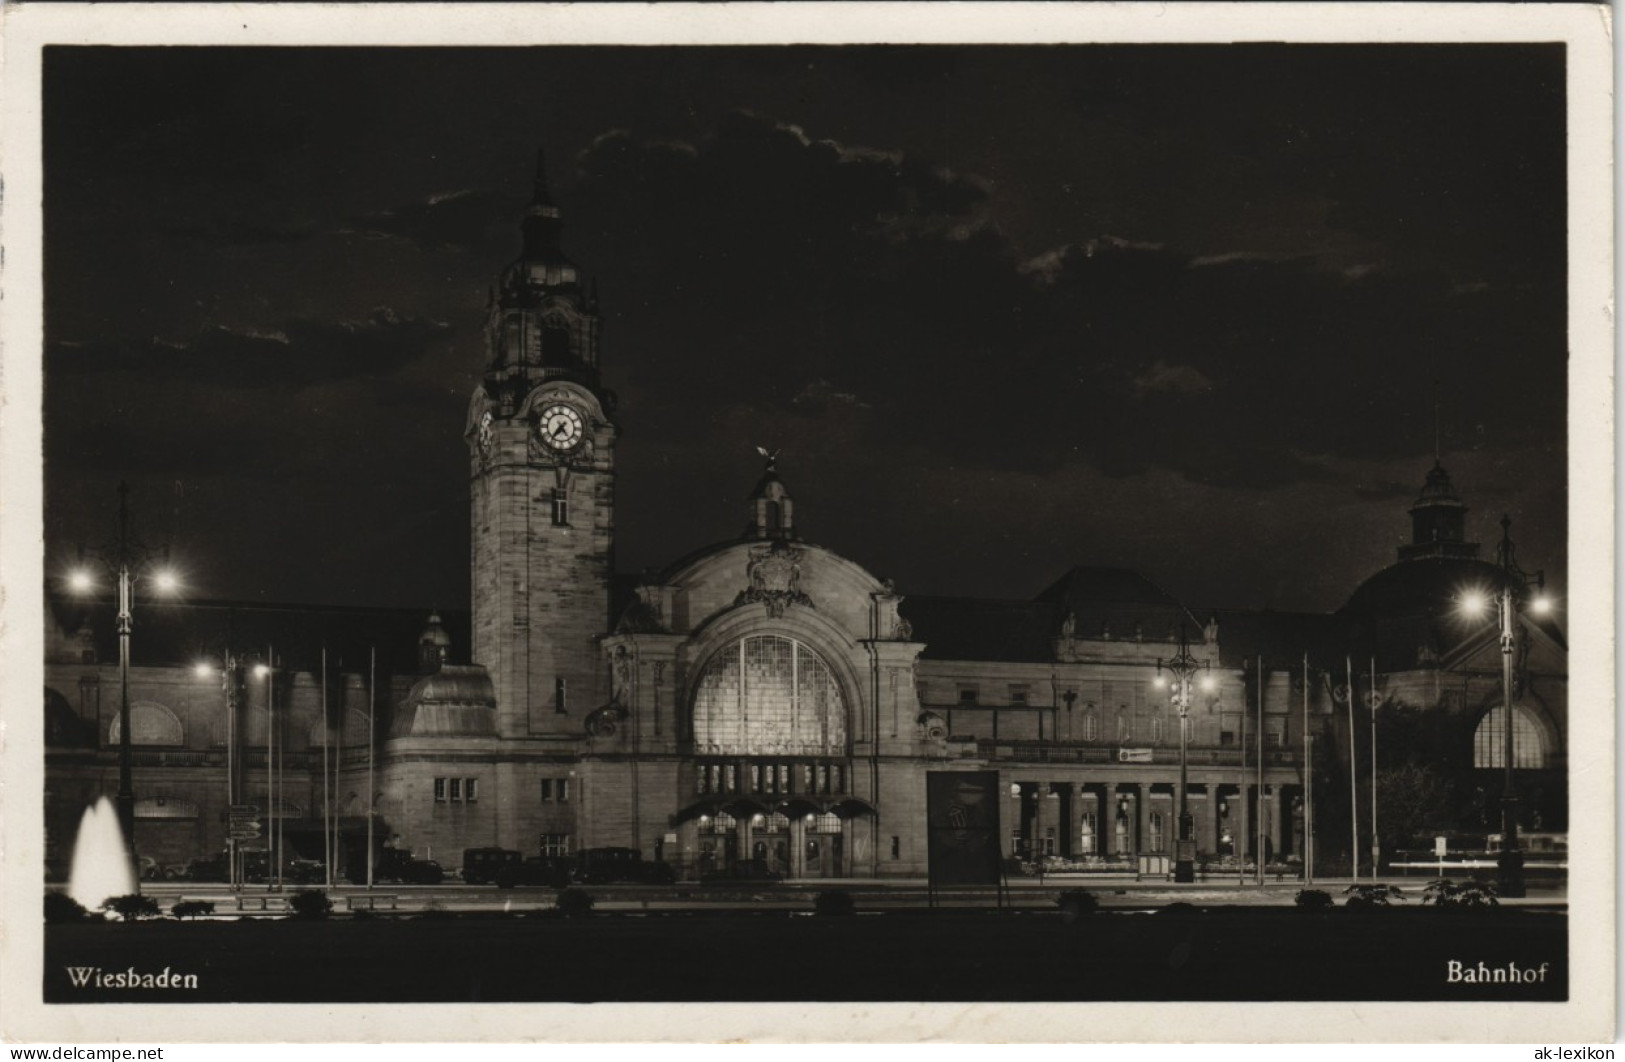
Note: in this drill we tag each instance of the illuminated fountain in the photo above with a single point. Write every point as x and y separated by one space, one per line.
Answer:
100 868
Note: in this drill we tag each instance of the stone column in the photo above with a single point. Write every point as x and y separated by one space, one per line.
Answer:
1278 811
1068 828
1243 828
1144 801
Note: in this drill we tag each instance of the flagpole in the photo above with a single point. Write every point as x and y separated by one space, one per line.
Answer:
1259 829
1308 785
270 763
1354 779
1376 838
372 710
327 836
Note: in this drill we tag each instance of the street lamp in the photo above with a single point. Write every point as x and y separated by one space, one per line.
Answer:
1183 668
240 823
127 562
1513 594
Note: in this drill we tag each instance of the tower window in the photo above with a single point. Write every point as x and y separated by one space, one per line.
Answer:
561 507
559 704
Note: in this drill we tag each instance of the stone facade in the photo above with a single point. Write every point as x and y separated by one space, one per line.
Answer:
766 700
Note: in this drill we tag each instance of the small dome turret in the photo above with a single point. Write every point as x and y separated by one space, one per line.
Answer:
434 646
772 508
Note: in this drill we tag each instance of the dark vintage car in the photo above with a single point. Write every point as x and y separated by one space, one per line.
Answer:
552 871
396 865
483 866
743 872
620 866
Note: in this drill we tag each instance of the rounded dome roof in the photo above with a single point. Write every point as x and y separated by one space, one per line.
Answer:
434 633
1430 585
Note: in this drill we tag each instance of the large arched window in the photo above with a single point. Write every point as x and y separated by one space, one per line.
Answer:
1528 742
150 724
769 694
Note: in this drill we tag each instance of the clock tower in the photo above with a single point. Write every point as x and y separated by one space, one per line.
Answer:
542 479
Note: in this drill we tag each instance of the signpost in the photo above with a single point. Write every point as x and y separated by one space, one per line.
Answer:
1441 845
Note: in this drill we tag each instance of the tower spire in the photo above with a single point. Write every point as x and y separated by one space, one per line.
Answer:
542 194
1438 449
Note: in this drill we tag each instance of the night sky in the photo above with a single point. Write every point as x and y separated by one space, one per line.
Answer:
1004 310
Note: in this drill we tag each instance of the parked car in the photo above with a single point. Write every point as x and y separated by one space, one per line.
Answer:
214 869
482 866
554 871
620 866
396 865
743 872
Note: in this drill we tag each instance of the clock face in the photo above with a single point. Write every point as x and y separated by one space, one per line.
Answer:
561 427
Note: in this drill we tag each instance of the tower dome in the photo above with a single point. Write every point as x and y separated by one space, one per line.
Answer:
1438 521
772 508
434 646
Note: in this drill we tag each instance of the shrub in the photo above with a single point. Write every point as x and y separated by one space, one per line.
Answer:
310 903
134 907
1313 899
1370 897
1179 907
574 903
60 909
1466 895
1075 903
192 908
834 902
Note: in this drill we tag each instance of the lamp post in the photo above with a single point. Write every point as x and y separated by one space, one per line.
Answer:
239 820
1183 668
1512 596
127 562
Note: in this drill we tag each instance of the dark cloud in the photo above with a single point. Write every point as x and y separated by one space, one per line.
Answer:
298 355
1004 309
1231 369
460 219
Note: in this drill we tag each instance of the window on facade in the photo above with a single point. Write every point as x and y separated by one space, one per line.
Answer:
896 847
470 790
547 790
1086 833
1528 743
1125 727
1091 726
556 342
555 844
967 695
827 823
1154 826
563 790
1156 730
561 507
1273 739
1227 737
440 790
1018 695
769 694
456 790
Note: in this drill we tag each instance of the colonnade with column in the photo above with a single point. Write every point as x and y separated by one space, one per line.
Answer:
1122 819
